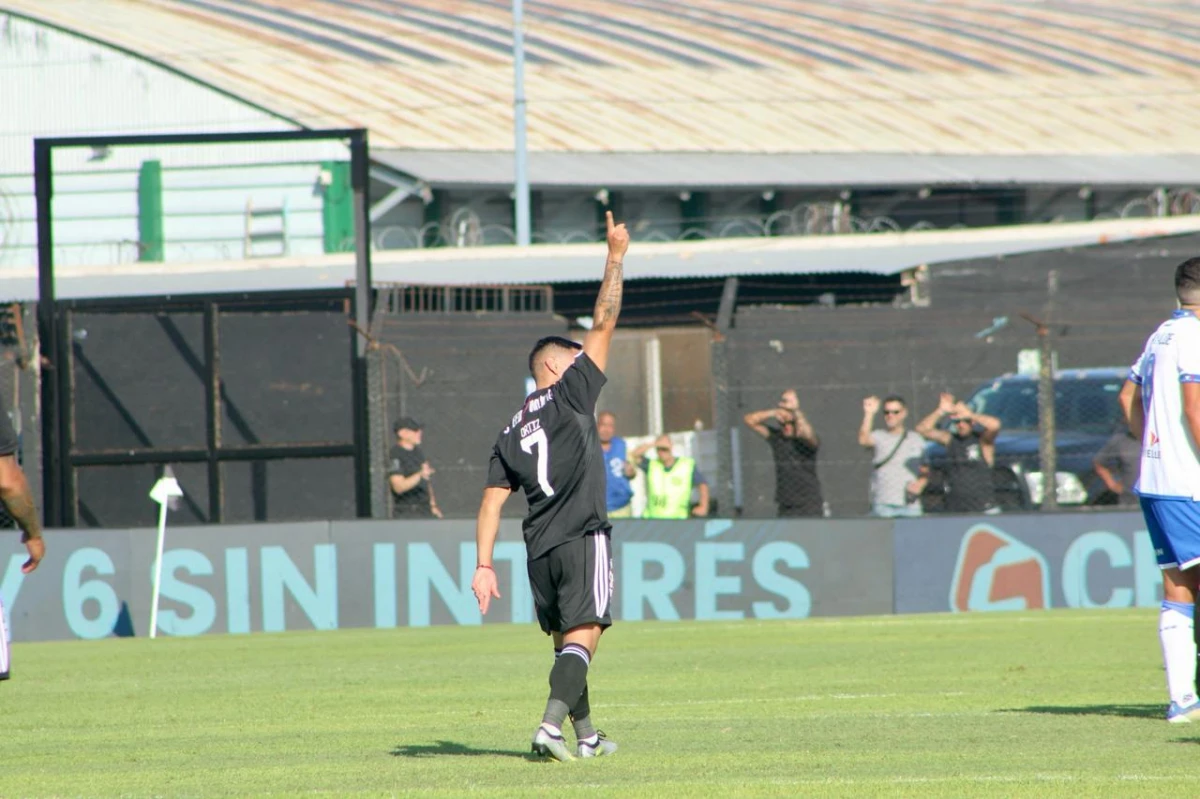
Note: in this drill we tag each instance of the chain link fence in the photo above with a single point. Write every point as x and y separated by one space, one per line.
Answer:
914 410
839 407
910 422
454 361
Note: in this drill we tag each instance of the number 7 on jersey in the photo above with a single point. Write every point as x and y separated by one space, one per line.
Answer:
537 440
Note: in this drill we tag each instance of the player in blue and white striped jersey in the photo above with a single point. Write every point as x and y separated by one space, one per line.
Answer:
1161 400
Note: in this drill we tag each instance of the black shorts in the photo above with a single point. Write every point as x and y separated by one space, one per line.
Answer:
573 583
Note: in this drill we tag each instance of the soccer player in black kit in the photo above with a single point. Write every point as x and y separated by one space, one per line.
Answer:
552 450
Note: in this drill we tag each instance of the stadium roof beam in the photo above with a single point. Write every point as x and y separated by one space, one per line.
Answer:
403 187
713 259
727 170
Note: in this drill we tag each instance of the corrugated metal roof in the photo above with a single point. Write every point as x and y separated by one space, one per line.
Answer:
462 168
787 76
881 253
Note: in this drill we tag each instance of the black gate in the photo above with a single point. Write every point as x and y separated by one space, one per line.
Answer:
253 399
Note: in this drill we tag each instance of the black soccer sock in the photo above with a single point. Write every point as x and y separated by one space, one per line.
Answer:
568 678
581 716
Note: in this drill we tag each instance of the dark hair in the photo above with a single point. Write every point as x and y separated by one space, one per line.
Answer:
1187 281
546 343
406 423
895 398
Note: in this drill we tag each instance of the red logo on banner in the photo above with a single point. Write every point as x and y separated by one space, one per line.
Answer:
1153 438
997 572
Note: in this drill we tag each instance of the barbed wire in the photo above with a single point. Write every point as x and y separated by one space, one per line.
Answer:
465 228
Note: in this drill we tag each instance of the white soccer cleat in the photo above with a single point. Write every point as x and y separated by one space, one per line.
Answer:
600 748
547 744
1186 713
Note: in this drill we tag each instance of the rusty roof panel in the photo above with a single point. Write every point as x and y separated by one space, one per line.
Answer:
761 76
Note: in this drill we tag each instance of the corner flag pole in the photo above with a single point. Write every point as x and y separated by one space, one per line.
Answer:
164 491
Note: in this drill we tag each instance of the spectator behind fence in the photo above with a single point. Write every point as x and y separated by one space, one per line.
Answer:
669 482
619 493
794 447
970 454
896 465
408 476
1118 464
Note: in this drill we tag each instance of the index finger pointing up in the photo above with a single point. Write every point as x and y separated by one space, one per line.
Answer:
608 218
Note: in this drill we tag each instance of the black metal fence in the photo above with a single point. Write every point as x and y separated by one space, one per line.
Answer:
455 360
249 398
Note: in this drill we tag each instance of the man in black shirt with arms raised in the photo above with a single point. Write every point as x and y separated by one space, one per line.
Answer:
551 449
794 445
970 455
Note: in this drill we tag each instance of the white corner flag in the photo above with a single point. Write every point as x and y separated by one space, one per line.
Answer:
166 493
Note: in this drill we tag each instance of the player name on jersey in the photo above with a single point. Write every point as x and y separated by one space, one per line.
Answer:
551 450
1170 458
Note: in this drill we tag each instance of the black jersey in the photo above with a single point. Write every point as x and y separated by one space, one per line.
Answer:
414 501
796 484
969 487
552 450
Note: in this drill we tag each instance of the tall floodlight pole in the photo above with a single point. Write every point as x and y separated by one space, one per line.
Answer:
521 190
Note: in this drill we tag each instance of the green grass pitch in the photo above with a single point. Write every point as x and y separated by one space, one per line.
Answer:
1044 704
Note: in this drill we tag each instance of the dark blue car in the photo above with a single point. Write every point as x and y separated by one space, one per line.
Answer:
1087 414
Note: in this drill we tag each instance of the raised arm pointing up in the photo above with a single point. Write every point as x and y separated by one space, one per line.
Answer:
608 301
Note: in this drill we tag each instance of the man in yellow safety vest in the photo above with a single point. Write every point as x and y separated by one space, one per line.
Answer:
669 482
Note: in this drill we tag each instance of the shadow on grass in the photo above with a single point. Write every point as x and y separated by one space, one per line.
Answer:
452 749
1124 711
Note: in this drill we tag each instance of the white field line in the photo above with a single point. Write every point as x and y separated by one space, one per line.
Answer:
762 700
932 620
982 778
749 700
977 779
